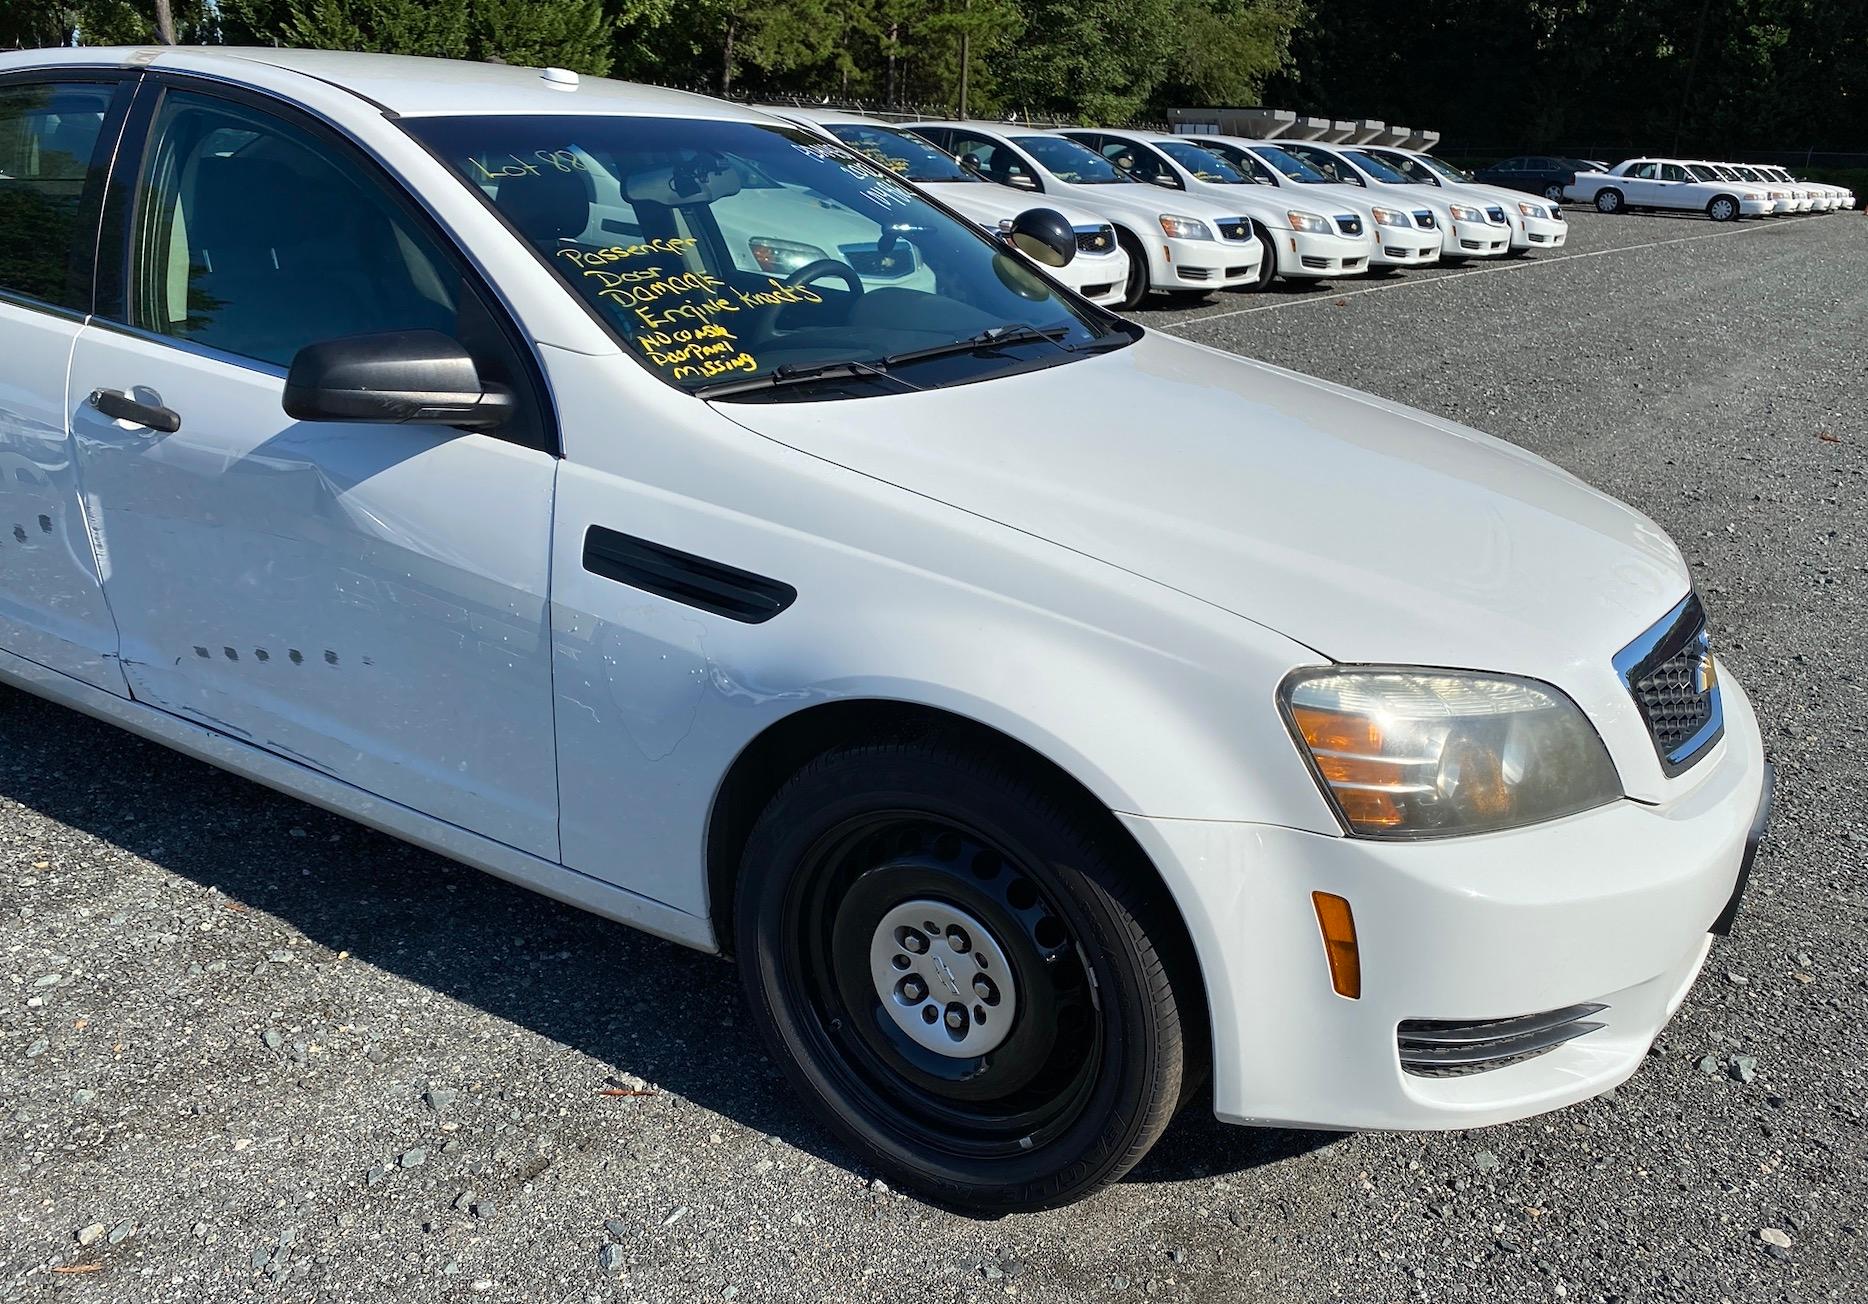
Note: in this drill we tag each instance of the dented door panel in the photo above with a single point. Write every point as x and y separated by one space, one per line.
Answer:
369 600
52 608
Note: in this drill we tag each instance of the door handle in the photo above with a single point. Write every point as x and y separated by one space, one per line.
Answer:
115 403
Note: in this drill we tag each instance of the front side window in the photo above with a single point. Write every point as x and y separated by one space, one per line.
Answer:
1140 162
51 146
251 239
994 161
254 237
1674 172
1203 164
722 253
1070 161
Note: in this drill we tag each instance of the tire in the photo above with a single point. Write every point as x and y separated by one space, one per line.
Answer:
1723 208
1609 201
1136 290
1088 1066
1268 265
1553 192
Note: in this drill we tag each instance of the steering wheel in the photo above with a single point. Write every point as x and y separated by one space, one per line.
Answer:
767 321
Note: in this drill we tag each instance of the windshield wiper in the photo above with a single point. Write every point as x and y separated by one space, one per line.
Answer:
799 373
991 338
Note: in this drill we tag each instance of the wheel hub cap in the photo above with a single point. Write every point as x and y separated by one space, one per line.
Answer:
943 978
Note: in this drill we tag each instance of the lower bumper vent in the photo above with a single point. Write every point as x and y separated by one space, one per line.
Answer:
1450 1048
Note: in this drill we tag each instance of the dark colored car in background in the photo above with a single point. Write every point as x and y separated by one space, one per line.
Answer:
1537 174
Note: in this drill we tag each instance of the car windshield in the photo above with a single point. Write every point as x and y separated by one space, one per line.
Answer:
739 251
1204 164
1382 171
1069 161
904 155
1293 167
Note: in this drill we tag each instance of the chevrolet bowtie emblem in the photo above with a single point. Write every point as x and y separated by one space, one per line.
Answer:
1705 674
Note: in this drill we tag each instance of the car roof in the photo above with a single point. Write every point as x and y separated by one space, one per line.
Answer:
828 117
407 85
1006 129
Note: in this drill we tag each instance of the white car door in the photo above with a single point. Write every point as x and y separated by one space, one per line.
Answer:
1641 185
368 600
57 131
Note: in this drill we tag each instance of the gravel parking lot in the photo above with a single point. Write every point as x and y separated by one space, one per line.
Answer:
249 1049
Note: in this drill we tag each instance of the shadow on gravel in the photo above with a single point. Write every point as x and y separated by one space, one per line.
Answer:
626 1000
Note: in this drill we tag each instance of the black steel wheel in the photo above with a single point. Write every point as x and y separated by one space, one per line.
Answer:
959 977
1135 290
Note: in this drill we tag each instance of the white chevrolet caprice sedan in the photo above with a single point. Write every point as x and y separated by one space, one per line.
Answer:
1177 243
1059 721
1099 272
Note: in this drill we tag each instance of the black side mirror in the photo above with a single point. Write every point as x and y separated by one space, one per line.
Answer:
399 377
1043 235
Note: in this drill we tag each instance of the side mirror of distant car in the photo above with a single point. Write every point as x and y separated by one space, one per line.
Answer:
1043 235
1023 180
398 377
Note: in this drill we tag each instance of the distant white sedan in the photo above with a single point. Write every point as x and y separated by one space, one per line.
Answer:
1099 272
1668 184
1535 223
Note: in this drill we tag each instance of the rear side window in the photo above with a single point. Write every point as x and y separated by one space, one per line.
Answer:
50 149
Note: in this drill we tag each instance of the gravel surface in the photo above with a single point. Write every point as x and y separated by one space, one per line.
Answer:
247 1049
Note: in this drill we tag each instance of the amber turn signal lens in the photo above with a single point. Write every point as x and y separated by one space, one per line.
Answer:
1339 943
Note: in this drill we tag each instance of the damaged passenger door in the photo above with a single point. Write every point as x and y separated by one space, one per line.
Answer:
369 600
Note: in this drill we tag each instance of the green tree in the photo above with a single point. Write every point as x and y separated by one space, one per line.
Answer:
442 28
575 34
36 24
1227 49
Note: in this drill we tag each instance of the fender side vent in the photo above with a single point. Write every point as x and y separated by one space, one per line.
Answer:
682 577
1448 1048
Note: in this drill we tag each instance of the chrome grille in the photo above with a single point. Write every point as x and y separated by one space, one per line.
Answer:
1349 224
1496 213
1235 228
1670 674
1450 1048
1423 218
1096 239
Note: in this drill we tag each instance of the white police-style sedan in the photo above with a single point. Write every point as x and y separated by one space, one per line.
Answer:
1060 722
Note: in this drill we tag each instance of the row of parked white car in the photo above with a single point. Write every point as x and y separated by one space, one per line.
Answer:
1724 192
1189 215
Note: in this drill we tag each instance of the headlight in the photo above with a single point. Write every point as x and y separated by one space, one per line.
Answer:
783 255
1302 221
1184 228
1533 210
1404 753
1389 217
1463 214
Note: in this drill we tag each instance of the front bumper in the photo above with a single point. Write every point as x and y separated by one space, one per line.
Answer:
1100 278
1538 232
1613 907
1757 207
1476 240
1310 254
1403 246
1206 264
